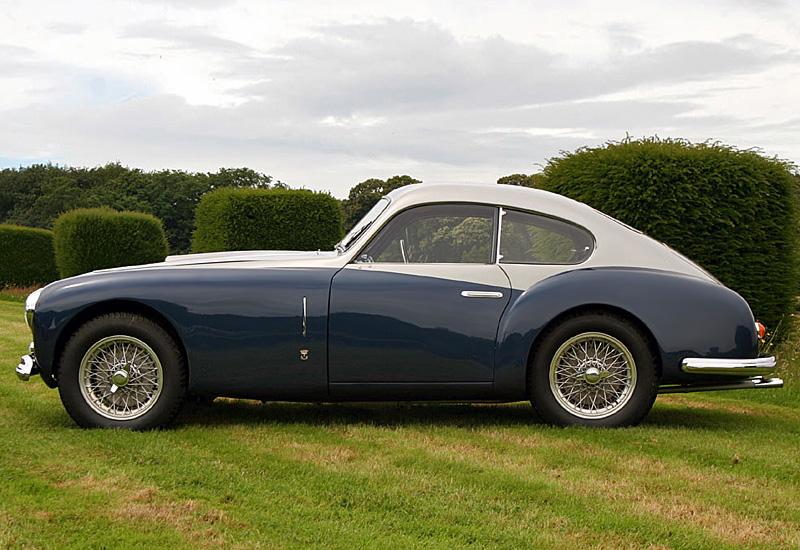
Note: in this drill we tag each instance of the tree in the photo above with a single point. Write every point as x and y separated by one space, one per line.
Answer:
733 212
363 196
522 180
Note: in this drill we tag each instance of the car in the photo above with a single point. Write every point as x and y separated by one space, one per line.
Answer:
442 292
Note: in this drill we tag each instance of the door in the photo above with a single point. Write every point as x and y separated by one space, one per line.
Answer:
416 315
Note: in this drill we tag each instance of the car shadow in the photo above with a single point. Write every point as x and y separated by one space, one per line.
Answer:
225 412
242 412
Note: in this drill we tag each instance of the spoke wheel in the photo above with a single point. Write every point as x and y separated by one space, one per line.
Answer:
122 370
592 375
593 369
121 377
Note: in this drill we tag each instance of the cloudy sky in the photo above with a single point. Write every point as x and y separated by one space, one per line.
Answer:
324 95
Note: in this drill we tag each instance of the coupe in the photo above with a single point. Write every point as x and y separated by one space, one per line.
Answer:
485 293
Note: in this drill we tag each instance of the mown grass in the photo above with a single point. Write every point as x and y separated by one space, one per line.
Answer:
702 471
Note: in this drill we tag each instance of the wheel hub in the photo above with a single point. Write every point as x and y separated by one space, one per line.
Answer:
591 376
120 378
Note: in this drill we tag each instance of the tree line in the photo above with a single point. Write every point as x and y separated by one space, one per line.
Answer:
35 196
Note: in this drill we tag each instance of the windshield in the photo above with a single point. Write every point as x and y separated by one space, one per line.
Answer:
353 235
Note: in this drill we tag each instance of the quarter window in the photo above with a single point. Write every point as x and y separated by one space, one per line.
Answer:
442 233
532 239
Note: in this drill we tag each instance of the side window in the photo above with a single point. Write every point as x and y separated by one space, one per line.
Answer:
531 239
440 233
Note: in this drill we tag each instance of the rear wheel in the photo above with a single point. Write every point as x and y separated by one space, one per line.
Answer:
594 370
122 370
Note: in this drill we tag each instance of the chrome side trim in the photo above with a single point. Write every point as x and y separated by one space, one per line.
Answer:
481 294
305 315
499 234
757 383
759 366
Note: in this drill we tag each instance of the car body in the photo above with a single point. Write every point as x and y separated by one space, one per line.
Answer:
487 293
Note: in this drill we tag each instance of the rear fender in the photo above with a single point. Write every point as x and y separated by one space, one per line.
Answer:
686 316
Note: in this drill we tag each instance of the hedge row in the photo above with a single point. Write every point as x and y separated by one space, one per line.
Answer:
99 238
260 219
27 256
733 212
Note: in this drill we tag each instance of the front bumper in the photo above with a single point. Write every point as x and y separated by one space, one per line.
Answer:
27 365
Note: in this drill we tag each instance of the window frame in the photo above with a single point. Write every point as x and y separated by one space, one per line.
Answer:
592 242
381 234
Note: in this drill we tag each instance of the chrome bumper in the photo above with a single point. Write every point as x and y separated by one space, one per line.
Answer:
752 374
760 366
27 366
755 383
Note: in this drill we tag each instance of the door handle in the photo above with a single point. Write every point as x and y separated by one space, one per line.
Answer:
481 294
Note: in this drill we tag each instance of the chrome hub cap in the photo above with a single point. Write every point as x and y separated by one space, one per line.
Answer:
592 375
121 377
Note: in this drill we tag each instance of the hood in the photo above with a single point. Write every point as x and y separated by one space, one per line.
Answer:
248 256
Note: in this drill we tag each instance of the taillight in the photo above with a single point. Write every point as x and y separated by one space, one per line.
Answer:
762 330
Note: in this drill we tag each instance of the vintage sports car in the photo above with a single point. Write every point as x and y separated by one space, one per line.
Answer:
486 293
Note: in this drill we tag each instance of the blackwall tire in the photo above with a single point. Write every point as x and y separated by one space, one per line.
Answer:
122 370
594 369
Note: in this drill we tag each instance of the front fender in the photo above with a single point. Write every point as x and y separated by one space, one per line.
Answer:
687 316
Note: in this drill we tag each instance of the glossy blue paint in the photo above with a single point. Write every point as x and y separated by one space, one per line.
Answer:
391 335
687 316
241 328
398 328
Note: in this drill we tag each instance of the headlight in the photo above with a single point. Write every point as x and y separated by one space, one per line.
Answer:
30 306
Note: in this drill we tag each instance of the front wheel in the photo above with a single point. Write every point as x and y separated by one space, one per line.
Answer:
594 370
122 370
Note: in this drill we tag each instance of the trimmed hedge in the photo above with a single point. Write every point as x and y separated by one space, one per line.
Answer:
99 238
27 256
733 212
266 219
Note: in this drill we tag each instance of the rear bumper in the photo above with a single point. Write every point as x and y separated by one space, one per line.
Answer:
755 383
741 374
760 366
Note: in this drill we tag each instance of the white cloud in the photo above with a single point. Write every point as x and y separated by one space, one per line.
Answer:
329 94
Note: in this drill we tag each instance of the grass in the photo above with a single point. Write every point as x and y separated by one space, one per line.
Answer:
702 471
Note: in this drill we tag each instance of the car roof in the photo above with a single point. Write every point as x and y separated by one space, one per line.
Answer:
512 196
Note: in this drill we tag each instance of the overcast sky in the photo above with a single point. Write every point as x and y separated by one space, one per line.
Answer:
324 95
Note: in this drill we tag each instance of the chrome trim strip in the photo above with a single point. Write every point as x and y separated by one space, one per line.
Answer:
481 294
305 315
733 367
499 234
746 384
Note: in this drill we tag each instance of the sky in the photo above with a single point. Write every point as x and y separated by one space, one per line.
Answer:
324 95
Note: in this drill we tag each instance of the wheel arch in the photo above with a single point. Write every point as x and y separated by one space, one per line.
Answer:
114 306
589 309
682 317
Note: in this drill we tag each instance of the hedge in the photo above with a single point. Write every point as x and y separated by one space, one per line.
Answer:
733 212
27 256
266 219
99 238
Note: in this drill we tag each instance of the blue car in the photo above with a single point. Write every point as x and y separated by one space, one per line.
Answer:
485 293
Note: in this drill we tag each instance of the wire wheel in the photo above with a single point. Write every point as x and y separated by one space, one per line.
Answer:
120 377
592 375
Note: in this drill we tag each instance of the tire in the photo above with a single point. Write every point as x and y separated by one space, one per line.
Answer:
595 369
122 370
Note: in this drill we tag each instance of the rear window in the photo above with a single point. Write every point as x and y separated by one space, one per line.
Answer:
527 238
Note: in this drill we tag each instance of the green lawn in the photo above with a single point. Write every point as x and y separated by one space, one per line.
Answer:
702 471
